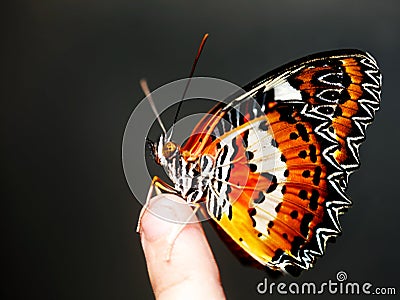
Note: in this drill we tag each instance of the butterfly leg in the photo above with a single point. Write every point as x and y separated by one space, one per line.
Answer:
178 229
158 186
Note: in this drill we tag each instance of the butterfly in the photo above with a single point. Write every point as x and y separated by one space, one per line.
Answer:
272 166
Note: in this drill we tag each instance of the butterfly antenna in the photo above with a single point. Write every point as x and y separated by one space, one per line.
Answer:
146 91
203 42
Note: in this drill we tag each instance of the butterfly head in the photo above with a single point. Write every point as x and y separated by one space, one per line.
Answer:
165 150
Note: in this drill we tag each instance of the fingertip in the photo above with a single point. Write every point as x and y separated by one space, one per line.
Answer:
162 214
191 260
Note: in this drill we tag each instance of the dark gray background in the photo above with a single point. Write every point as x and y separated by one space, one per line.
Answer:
70 81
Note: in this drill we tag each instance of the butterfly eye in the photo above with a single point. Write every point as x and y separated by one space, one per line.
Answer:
169 149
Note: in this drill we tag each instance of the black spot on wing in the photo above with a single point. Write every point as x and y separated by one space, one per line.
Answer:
252 212
283 190
303 194
272 187
232 116
252 167
235 147
303 154
301 129
326 110
219 214
286 114
317 175
344 96
264 97
296 243
228 189
339 111
228 174
230 212
204 163
293 136
215 208
304 225
249 155
245 138
263 126
313 153
294 214
224 153
269 176
269 95
274 143
260 198
272 178
278 253
314 200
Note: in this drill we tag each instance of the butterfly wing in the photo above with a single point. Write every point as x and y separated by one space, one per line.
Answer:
282 162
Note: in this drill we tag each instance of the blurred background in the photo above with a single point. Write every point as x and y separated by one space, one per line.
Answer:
70 72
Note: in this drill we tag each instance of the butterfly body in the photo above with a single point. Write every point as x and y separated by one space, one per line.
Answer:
273 165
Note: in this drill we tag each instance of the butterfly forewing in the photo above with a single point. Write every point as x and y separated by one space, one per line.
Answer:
283 153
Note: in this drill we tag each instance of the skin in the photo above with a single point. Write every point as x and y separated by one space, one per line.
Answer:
191 271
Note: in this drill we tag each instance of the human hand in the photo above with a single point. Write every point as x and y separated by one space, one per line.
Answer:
191 271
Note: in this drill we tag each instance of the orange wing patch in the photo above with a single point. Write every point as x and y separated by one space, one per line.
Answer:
282 221
343 123
348 91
